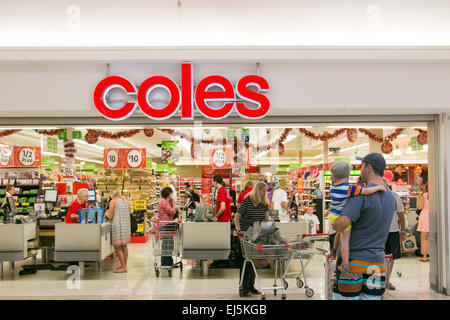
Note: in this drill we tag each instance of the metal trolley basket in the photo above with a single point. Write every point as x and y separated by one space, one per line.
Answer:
330 268
253 251
166 240
300 249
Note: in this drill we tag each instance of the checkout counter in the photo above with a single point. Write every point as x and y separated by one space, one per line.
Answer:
14 242
83 243
205 241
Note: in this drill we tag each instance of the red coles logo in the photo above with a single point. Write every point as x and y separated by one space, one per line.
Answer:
186 97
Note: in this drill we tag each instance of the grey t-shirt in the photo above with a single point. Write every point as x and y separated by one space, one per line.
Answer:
371 216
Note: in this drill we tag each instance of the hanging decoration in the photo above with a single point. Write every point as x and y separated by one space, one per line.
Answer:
386 147
418 170
5 133
149 132
69 149
325 136
91 136
352 135
280 149
422 138
118 135
389 138
52 132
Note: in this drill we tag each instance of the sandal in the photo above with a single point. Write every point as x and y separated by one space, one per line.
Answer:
426 260
246 294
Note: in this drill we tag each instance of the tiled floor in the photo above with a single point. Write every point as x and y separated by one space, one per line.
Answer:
141 283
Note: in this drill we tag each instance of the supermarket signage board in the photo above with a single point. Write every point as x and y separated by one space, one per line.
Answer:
295 165
47 161
52 145
88 166
20 157
124 158
185 97
352 172
162 167
149 163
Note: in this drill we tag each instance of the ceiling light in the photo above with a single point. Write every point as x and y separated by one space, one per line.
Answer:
108 128
397 152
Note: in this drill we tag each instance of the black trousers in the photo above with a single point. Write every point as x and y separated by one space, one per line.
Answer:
248 282
331 238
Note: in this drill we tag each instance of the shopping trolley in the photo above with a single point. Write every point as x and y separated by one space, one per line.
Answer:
278 253
166 240
330 268
300 248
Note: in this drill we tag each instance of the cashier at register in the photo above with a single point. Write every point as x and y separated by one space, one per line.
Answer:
80 203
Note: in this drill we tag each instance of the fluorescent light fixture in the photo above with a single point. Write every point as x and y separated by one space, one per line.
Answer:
355 147
425 148
90 160
397 152
409 150
362 127
30 128
77 158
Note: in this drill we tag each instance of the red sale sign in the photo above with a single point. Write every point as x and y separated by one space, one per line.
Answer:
220 158
6 157
134 158
27 157
112 158
124 158
186 97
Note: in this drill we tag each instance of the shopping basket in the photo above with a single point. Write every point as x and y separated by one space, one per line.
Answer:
330 268
166 240
300 249
252 251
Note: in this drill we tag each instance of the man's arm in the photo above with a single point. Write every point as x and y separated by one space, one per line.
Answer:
341 223
401 219
237 216
284 205
221 209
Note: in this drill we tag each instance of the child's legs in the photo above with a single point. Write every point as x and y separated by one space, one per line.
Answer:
345 246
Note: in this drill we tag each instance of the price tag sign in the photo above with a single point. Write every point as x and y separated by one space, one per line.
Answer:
5 157
219 158
76 134
27 157
134 158
111 158
62 135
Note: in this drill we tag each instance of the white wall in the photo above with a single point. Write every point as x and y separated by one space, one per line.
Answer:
295 88
230 22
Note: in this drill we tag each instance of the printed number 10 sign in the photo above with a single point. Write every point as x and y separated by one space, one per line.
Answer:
134 158
124 158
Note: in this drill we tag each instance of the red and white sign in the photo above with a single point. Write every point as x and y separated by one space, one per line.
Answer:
112 158
6 157
134 158
27 157
220 158
186 97
124 158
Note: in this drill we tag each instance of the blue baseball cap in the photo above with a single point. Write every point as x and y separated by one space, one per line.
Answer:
375 159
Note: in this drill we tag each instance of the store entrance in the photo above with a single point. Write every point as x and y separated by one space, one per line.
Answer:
292 157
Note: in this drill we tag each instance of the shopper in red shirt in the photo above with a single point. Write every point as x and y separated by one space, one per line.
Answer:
223 202
243 194
80 203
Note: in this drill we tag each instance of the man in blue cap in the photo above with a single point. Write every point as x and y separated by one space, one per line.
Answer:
371 217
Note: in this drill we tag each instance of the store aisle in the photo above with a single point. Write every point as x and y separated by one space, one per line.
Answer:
141 283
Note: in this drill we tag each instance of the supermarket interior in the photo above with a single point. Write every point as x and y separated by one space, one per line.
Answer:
48 165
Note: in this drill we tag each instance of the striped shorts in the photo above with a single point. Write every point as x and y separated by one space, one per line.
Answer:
369 283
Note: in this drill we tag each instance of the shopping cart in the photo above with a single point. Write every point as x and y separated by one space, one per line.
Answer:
166 240
278 253
330 268
300 249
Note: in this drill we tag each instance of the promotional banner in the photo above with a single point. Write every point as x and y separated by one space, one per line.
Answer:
6 157
134 158
169 151
27 157
112 158
220 158
124 158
